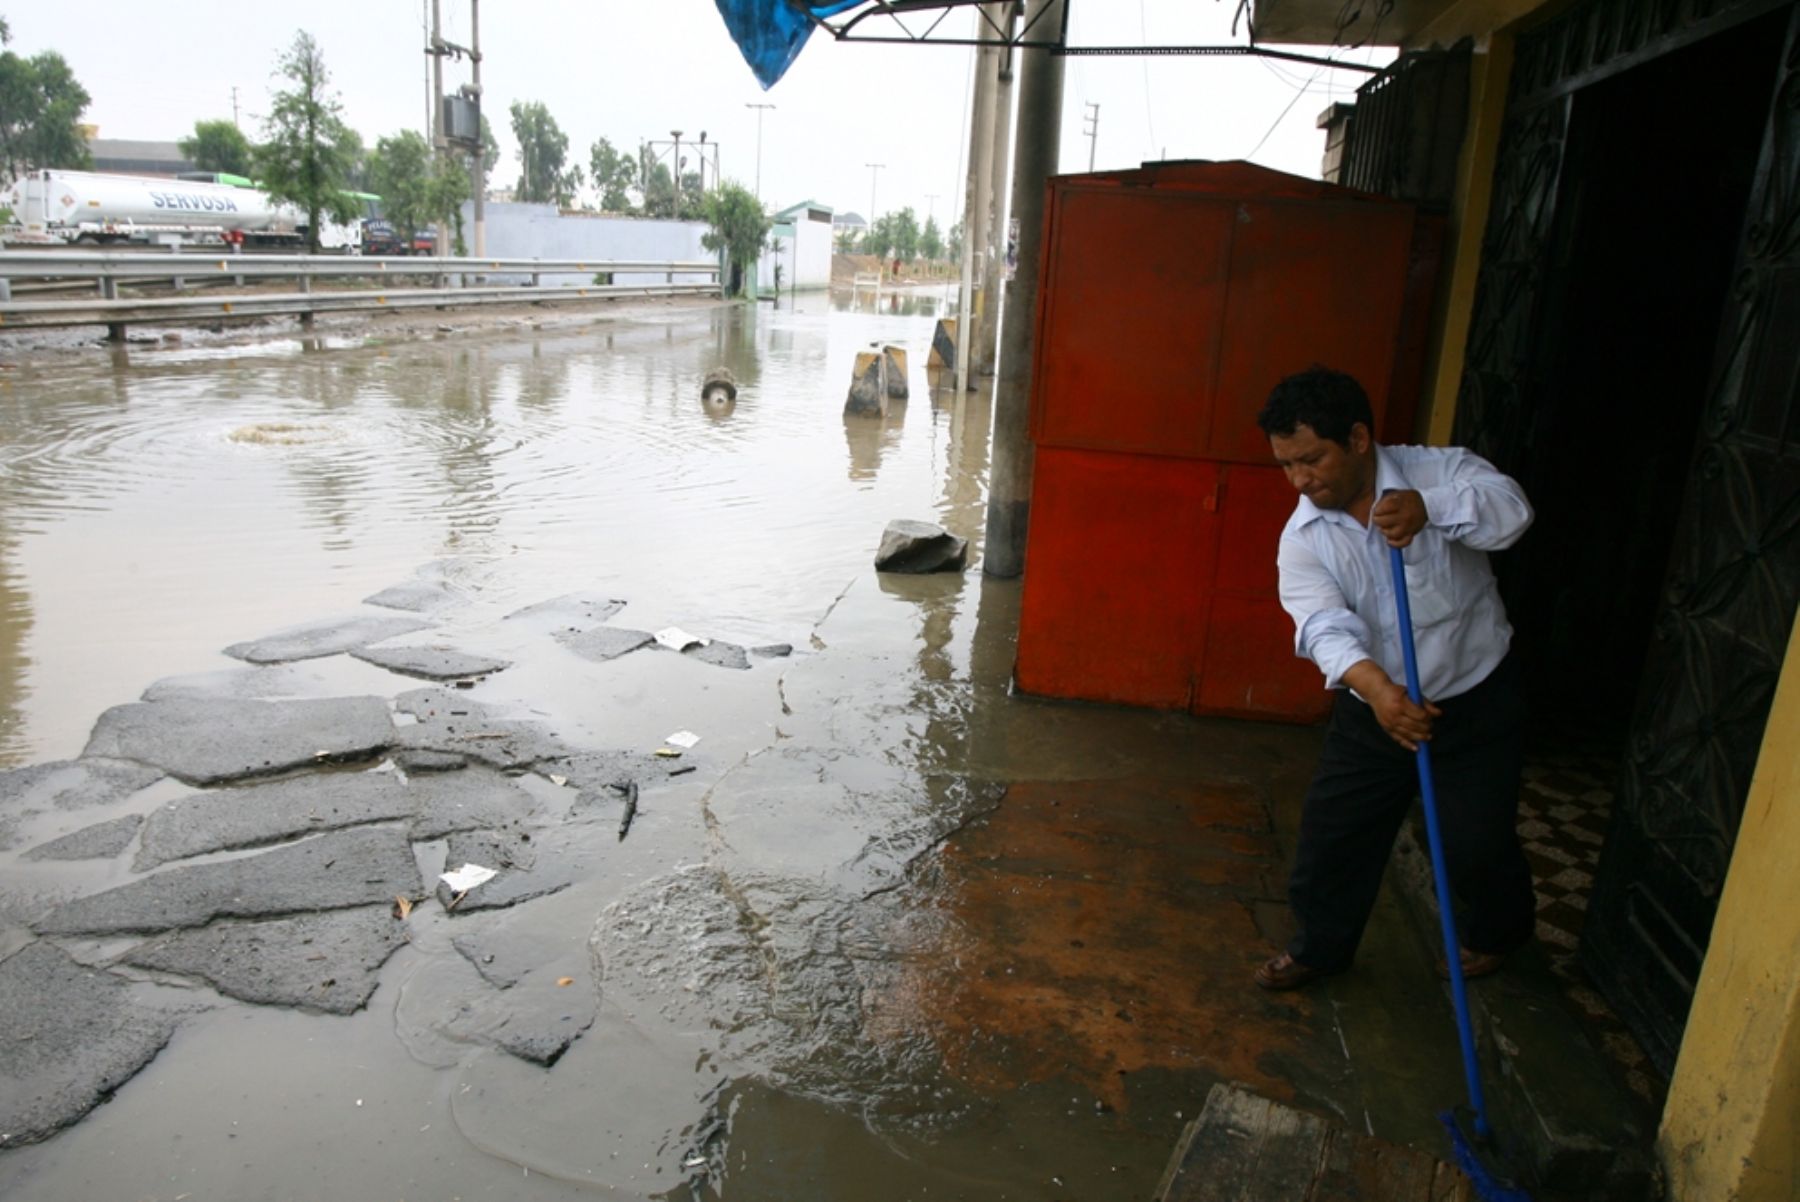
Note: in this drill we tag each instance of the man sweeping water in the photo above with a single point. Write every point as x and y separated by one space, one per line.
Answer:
1447 508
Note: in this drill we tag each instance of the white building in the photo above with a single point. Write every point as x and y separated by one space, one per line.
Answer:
804 234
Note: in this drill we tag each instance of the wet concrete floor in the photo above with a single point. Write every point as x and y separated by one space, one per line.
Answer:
900 934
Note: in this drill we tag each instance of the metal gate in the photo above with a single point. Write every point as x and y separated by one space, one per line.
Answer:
1733 581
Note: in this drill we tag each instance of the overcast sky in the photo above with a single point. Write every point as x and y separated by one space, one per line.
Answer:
632 70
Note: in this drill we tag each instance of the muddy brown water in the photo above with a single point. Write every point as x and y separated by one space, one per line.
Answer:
839 960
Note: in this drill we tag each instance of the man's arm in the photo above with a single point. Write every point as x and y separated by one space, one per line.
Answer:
1472 503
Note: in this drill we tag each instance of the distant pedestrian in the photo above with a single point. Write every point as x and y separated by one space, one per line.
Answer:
1447 508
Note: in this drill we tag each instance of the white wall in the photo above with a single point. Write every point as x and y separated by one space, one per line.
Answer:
538 231
805 256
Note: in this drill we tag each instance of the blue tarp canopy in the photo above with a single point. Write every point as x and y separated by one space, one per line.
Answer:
771 33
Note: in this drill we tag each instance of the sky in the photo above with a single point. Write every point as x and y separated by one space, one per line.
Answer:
635 70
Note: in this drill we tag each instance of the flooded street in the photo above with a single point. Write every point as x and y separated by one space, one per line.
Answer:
897 935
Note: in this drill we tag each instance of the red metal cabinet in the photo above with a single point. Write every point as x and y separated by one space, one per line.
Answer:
1171 300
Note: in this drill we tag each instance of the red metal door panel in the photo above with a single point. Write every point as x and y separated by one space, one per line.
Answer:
1311 282
1118 554
1249 669
1133 308
1247 666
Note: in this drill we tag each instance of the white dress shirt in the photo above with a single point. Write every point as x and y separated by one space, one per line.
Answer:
1337 585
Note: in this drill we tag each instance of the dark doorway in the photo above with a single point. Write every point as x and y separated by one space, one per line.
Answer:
1656 174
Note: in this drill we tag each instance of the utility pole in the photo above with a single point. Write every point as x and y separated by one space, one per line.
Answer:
1091 128
438 143
992 267
234 107
1040 131
477 174
675 158
760 108
874 174
971 301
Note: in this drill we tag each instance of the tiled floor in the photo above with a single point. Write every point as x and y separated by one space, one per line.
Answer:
1563 812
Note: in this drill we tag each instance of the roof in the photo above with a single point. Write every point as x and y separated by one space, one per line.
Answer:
849 219
795 210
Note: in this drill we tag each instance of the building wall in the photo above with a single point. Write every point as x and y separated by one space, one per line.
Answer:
805 256
538 231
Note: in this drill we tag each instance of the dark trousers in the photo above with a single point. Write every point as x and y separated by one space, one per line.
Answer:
1360 794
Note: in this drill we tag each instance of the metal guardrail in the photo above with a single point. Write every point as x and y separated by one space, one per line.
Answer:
109 269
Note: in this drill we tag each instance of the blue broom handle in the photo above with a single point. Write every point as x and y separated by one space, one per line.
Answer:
1459 989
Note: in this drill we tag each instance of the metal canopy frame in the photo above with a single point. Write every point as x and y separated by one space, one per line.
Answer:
920 22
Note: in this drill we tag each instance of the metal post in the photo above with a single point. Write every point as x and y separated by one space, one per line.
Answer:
1092 129
991 264
478 176
1040 130
975 223
675 158
760 108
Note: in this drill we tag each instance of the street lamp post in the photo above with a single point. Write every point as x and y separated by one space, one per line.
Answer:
759 116
675 157
874 175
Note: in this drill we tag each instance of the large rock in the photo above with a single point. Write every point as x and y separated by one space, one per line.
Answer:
918 547
327 962
208 742
69 1036
322 638
332 871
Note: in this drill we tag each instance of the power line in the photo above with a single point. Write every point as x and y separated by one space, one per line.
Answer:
1283 115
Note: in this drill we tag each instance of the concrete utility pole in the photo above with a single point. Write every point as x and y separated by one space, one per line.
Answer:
874 175
478 176
977 199
993 266
234 108
760 109
675 157
1040 131
1091 127
438 142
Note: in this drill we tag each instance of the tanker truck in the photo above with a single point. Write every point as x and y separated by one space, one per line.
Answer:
51 206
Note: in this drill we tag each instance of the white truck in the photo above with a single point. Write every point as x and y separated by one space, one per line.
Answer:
53 206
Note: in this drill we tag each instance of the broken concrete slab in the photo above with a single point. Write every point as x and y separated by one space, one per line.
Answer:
314 639
431 663
210 742
773 651
523 872
256 815
535 1018
604 642
588 771
329 962
571 610
420 763
415 596
500 957
263 682
102 841
720 654
69 1036
92 780
918 547
332 871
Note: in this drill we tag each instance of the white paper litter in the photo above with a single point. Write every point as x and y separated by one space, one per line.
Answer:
682 738
677 639
467 877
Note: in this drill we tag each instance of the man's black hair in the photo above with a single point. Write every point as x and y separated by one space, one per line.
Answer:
1331 402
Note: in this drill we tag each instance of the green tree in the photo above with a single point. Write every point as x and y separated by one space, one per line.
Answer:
955 240
659 191
905 230
41 103
879 239
931 241
845 238
417 187
490 153
218 146
738 227
614 174
308 153
543 151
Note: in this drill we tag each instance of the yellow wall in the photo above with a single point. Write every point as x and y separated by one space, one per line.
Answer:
1731 1128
